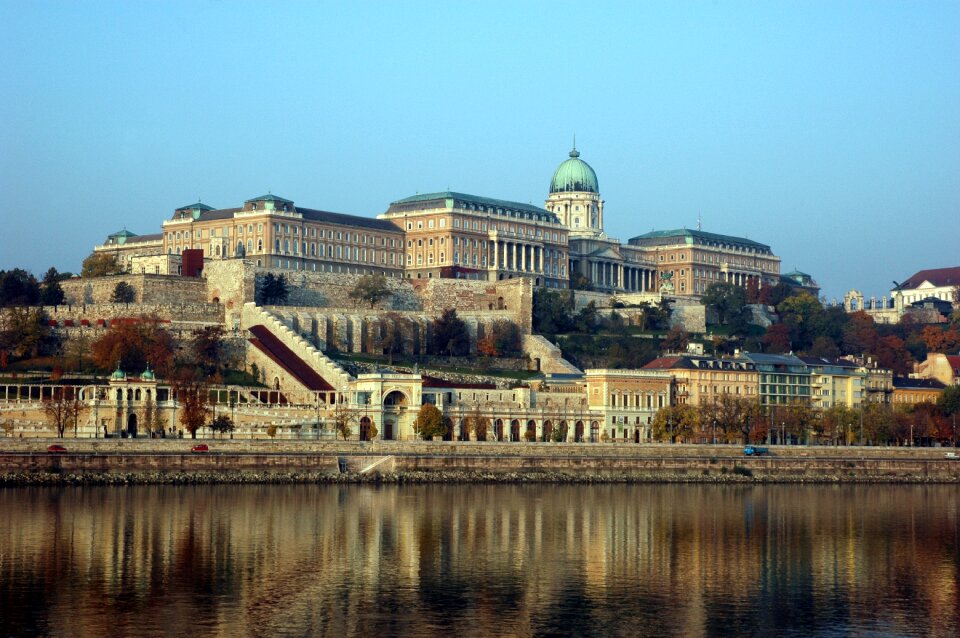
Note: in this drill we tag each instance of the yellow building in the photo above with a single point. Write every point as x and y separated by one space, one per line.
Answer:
454 235
628 400
836 382
701 380
274 233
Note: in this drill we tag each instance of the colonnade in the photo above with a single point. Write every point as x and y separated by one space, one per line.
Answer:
620 276
528 258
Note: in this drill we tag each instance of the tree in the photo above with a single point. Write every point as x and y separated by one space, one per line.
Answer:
133 344
949 400
676 340
824 347
194 399
207 347
838 424
343 418
891 353
429 422
223 424
100 265
24 333
777 339
860 334
501 339
477 422
51 293
390 338
370 289
62 408
123 293
736 416
675 422
272 290
450 335
798 313
586 319
726 299
879 423
552 310
18 288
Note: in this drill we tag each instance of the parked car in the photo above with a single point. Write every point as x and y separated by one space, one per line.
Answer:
56 449
200 448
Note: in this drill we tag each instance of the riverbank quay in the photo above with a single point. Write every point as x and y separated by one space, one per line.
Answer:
125 461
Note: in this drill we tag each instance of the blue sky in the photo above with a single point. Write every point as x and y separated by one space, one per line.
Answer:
829 130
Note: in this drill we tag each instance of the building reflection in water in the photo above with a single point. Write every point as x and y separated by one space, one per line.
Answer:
483 560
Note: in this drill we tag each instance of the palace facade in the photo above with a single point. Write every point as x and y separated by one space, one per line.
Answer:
455 235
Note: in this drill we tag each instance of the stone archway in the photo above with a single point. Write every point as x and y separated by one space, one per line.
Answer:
515 430
578 432
388 433
395 398
594 432
547 430
132 425
498 430
531 432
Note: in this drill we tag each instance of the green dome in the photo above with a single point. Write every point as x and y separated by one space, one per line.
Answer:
147 374
118 374
574 175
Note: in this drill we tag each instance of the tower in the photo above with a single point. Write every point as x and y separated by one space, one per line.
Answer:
575 197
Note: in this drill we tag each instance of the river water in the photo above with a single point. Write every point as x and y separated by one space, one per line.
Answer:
476 560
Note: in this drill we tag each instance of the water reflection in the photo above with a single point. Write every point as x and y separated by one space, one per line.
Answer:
481 560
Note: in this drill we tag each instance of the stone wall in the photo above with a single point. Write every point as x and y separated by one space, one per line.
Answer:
546 356
150 289
478 298
332 290
691 317
230 282
100 315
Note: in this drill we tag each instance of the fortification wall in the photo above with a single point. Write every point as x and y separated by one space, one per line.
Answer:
149 289
230 282
479 298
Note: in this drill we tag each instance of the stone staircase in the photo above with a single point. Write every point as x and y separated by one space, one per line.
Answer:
336 376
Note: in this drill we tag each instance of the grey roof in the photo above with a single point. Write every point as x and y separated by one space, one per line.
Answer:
269 197
197 206
214 215
920 384
698 234
476 200
348 220
824 361
774 359
137 239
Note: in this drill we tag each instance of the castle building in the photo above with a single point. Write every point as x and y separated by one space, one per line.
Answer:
275 233
455 235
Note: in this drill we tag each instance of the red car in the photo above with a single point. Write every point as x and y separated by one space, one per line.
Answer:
56 449
200 448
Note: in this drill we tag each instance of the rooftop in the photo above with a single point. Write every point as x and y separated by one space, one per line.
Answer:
470 202
936 276
687 236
